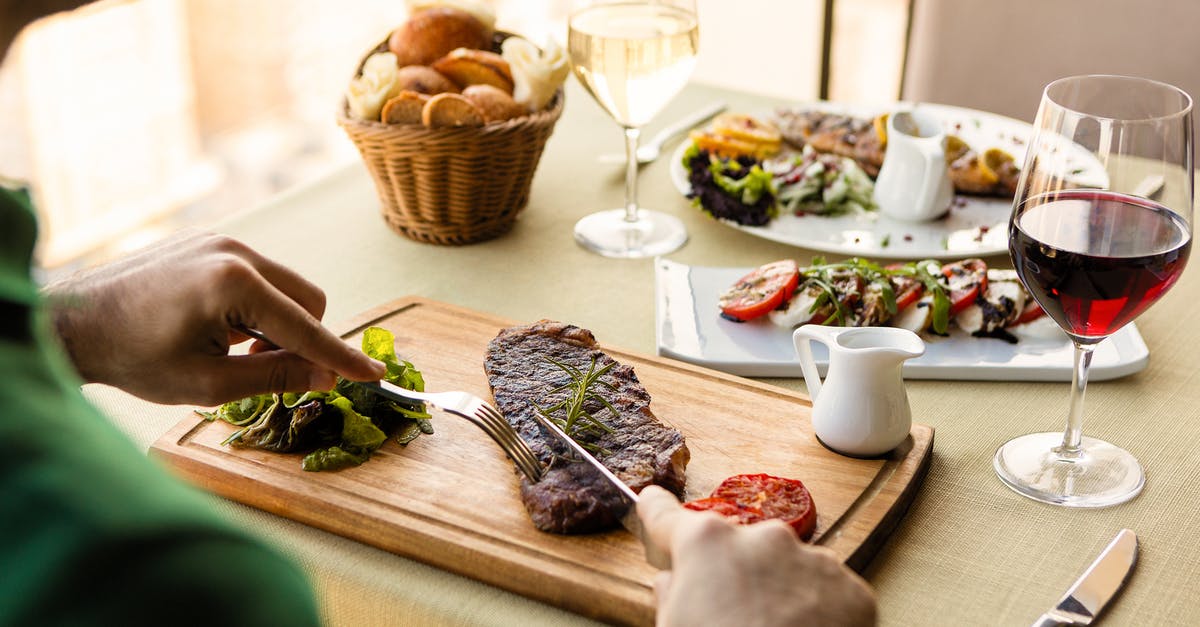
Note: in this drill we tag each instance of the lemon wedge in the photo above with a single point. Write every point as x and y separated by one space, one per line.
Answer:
880 124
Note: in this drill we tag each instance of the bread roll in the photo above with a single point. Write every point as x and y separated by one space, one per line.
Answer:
424 80
495 104
449 110
405 108
481 9
476 67
432 33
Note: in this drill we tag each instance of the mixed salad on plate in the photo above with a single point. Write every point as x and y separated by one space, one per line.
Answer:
748 171
923 296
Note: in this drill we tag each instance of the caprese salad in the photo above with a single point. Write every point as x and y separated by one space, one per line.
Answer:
922 296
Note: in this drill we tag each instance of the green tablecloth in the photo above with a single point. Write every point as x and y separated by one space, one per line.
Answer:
969 551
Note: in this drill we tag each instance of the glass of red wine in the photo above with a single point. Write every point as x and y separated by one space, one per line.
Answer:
1101 228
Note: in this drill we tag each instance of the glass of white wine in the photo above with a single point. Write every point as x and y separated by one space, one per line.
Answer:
633 57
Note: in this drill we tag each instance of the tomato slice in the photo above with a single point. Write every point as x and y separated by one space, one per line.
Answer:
965 280
736 512
1031 312
908 291
775 497
757 293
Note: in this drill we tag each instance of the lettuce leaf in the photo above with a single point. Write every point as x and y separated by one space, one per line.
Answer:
339 428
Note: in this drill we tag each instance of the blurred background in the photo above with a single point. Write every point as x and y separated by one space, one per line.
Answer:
131 118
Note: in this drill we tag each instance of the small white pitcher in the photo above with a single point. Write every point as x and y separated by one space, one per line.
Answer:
913 184
861 408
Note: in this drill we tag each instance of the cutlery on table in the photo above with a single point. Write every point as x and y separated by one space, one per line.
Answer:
1097 586
652 149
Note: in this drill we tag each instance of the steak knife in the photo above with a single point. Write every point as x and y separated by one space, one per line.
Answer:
1097 586
655 555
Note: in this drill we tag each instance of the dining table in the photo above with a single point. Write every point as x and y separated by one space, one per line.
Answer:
969 551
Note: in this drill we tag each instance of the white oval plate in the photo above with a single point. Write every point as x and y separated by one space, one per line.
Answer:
689 327
975 226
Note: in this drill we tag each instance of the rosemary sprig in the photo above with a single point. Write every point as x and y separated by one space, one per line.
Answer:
577 420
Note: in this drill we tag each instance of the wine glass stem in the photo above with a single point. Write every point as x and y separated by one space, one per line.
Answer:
631 172
1074 433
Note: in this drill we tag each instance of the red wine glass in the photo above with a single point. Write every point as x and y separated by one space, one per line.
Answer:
1101 228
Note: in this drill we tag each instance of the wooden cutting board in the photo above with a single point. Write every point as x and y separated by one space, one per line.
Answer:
451 499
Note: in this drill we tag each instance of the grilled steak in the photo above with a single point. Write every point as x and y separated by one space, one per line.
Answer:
639 449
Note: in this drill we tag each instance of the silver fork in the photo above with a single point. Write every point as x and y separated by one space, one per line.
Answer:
474 409
477 411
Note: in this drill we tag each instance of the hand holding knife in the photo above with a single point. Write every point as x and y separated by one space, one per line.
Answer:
655 555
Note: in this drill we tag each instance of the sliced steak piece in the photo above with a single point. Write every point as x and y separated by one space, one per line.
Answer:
571 497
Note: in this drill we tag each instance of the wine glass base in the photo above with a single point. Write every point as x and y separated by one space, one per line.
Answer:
1099 476
610 234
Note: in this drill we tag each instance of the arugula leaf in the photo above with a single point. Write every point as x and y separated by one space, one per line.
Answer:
241 412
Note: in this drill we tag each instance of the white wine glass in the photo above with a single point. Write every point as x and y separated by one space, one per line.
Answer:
1101 228
633 57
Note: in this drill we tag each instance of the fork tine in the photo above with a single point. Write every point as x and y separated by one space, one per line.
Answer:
517 450
499 437
517 447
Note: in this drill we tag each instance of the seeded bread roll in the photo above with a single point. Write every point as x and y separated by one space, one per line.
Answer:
431 34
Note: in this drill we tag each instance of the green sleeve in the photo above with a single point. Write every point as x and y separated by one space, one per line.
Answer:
91 530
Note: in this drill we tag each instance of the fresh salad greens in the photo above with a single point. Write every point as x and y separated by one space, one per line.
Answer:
823 184
752 193
927 272
737 189
339 428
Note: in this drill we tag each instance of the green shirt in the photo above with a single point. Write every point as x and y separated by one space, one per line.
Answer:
92 532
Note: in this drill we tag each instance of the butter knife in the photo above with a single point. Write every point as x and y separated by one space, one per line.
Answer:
655 555
1097 586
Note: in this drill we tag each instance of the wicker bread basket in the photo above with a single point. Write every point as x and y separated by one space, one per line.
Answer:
452 186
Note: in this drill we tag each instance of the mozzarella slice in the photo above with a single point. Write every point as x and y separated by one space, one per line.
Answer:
797 311
916 317
1002 304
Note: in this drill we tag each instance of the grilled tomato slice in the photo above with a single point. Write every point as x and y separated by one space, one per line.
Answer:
751 498
757 293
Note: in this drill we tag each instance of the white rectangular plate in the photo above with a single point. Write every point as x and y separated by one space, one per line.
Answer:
689 327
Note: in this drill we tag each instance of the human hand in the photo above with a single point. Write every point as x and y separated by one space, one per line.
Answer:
160 322
760 574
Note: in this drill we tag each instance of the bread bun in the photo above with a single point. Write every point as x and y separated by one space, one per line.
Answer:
476 67
481 9
449 110
432 33
405 108
495 104
424 80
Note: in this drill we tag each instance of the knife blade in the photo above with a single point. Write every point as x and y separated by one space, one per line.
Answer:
655 555
1097 586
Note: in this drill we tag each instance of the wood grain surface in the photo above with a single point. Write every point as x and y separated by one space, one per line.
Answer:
451 499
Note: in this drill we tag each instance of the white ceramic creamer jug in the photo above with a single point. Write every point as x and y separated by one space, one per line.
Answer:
913 183
861 408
